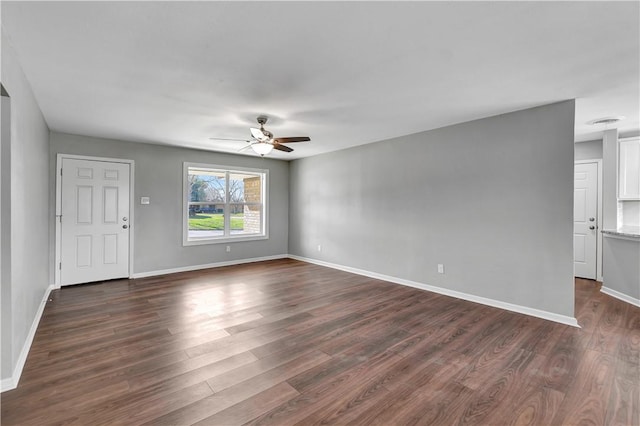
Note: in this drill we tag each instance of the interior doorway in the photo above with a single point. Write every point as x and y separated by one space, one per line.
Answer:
587 212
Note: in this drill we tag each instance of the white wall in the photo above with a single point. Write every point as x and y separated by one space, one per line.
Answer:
491 199
630 213
29 209
609 179
590 150
158 226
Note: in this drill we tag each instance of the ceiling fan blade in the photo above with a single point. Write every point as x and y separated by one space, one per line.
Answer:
225 139
246 147
257 133
294 139
281 147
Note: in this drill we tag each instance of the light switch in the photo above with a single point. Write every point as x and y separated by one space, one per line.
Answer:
144 200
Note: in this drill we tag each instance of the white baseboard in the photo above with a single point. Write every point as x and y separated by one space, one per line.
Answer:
12 382
7 384
621 296
206 266
562 319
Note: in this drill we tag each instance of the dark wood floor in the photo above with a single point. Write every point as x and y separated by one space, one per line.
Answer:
285 342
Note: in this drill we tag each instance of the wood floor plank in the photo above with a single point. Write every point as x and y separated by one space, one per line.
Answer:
143 406
189 371
594 378
344 407
534 406
389 404
494 399
252 407
442 406
53 385
255 368
416 372
328 390
286 342
623 407
629 346
41 414
233 395
237 343
557 370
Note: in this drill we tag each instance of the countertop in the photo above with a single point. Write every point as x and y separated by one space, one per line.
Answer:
626 232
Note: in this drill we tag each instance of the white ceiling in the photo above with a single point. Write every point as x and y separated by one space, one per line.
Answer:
344 74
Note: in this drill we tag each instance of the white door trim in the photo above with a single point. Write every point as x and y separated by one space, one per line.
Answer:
598 163
58 247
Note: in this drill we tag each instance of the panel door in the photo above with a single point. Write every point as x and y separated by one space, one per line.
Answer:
95 221
585 220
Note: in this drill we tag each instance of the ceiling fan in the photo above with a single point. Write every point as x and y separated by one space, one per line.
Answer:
263 141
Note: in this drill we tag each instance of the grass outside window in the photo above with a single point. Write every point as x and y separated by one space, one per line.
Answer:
215 221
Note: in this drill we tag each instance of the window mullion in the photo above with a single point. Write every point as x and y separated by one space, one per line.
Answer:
227 207
263 204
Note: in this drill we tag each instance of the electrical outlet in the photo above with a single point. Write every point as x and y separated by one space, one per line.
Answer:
319 247
228 249
440 268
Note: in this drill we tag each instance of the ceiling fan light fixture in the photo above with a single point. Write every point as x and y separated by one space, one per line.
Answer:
259 134
262 148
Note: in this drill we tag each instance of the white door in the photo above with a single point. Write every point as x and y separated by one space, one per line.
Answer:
585 219
94 236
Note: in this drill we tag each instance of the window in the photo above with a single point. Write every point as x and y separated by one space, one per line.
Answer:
222 205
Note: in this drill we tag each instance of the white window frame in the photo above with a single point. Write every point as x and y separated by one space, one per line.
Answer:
227 238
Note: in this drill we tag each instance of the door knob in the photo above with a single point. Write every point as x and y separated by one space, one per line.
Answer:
591 219
125 219
591 227
125 226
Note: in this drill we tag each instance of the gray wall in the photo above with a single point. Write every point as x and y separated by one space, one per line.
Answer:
491 199
158 226
621 269
591 150
5 231
28 209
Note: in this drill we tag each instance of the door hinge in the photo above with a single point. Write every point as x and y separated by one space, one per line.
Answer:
60 266
60 172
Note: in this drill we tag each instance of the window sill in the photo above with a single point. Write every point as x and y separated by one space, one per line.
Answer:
222 240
